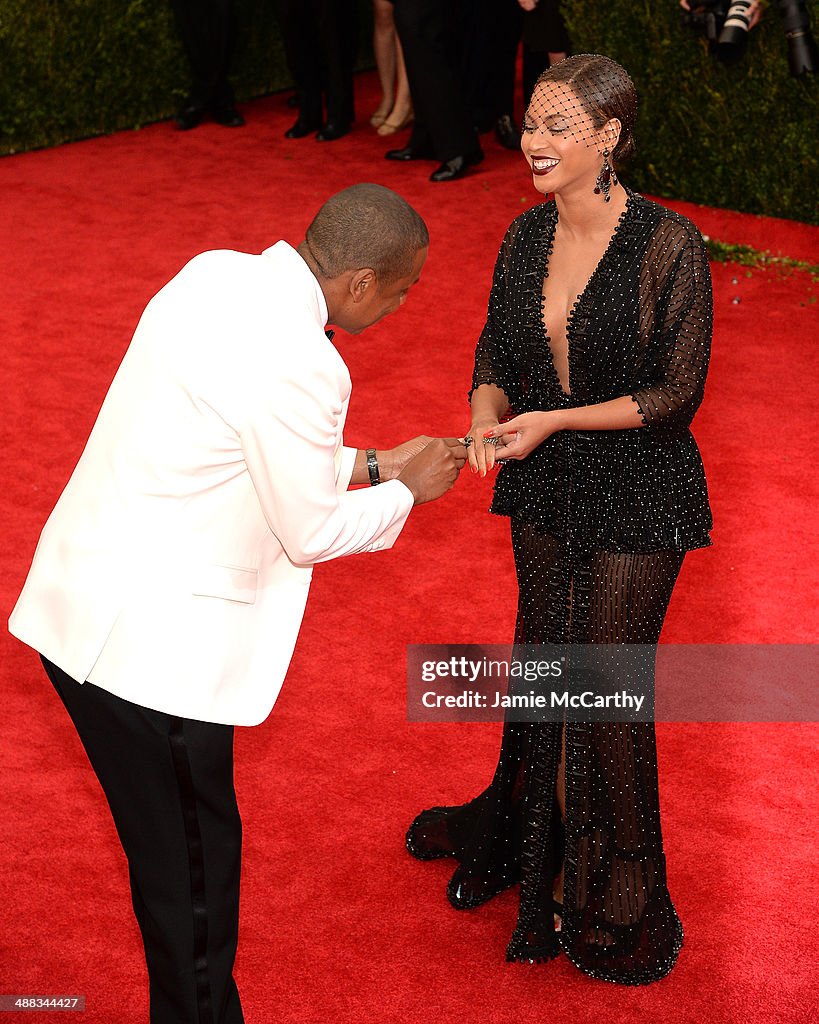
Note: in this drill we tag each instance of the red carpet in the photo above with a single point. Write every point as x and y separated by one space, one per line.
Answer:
339 924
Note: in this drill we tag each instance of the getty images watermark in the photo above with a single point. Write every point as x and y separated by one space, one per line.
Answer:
613 682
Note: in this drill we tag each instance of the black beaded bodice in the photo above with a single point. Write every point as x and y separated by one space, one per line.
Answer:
641 327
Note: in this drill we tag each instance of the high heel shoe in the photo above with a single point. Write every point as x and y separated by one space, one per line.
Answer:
465 893
388 127
426 849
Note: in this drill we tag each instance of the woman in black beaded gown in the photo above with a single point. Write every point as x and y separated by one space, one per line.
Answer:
597 342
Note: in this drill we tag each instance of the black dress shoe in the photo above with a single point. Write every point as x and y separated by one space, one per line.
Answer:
333 130
227 115
301 128
190 116
409 153
506 133
456 167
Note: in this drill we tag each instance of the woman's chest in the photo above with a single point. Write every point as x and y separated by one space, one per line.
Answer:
585 340
567 276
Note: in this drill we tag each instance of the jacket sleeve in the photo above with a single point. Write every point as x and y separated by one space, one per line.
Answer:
346 464
683 345
289 435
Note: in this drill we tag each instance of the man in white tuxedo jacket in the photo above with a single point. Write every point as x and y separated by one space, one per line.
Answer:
169 583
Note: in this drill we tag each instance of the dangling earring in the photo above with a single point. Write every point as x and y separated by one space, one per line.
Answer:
606 178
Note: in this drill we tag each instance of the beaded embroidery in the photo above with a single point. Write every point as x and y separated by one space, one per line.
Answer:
600 524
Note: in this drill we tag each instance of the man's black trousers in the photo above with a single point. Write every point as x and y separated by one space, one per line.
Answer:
169 784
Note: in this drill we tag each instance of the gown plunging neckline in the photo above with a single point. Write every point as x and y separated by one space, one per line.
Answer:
568 395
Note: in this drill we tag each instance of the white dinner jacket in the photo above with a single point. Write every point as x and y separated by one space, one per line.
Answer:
175 567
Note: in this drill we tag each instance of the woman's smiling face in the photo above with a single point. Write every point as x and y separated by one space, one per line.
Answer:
560 142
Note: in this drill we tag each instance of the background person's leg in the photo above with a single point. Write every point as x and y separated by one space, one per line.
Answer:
385 39
430 37
298 22
208 34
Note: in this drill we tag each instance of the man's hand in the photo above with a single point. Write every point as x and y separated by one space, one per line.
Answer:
435 468
399 456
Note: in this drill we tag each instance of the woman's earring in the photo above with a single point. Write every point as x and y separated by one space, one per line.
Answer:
606 178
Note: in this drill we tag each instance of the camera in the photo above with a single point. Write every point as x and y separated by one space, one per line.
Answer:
705 18
726 23
734 35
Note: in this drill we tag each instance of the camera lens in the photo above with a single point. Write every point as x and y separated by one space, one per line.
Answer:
734 35
802 53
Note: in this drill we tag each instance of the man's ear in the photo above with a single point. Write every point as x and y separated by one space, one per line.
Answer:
362 283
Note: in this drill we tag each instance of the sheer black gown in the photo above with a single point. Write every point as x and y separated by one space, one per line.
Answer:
600 523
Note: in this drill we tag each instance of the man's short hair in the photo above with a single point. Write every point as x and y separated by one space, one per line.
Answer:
367 225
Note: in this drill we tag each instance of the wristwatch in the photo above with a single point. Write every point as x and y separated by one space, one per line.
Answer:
372 467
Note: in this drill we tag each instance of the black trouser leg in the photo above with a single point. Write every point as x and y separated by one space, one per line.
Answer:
535 63
207 29
492 31
169 784
337 29
431 37
299 25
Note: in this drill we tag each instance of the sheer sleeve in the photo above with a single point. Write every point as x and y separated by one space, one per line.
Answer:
492 355
683 347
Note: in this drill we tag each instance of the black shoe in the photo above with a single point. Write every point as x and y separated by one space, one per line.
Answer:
467 897
301 128
506 133
333 130
456 167
190 116
425 847
409 153
227 115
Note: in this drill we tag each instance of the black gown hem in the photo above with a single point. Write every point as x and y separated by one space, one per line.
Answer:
536 955
621 977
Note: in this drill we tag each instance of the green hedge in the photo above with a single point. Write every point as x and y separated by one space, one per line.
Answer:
740 136
74 68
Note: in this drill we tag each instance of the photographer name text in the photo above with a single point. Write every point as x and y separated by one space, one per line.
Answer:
552 699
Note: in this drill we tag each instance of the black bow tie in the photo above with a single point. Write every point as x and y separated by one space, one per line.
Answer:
330 335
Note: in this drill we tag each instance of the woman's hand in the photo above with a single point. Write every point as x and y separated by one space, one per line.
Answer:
522 434
481 456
